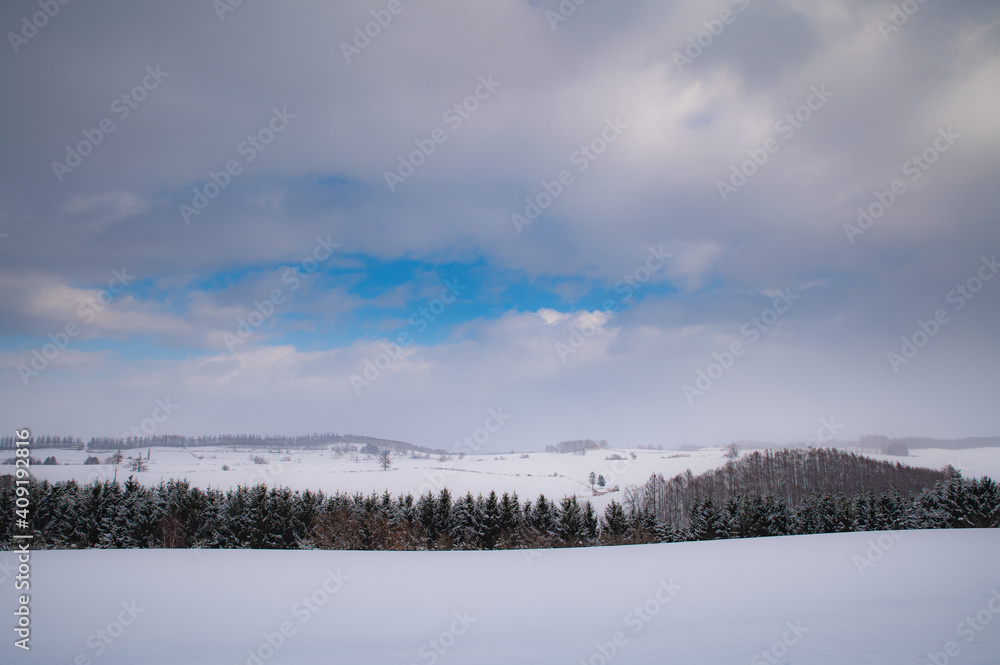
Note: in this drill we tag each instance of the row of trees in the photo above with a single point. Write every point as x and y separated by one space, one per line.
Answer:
62 442
247 440
174 514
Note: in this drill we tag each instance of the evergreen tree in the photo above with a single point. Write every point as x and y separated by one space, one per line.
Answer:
823 512
753 516
490 521
614 524
442 515
643 526
464 527
427 517
569 522
959 503
589 536
511 520
707 522
543 522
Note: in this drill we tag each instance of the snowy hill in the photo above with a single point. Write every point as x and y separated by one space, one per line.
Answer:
552 474
882 598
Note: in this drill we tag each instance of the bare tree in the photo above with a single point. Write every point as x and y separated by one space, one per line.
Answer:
138 464
385 460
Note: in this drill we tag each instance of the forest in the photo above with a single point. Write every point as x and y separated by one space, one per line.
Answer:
788 475
786 493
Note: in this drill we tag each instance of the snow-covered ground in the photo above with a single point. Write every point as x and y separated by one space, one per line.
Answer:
552 474
886 599
555 475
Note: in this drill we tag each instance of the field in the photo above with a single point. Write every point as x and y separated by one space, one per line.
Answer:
554 475
886 599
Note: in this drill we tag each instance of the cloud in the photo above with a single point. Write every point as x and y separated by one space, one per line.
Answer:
685 130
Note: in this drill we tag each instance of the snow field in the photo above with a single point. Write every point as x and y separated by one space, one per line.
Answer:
554 475
794 599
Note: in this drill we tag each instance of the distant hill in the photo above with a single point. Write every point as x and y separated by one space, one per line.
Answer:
883 444
580 445
225 440
901 447
918 442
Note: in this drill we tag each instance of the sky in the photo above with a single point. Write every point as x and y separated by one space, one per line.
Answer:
655 223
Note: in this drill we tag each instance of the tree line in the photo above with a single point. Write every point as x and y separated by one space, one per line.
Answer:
309 441
68 515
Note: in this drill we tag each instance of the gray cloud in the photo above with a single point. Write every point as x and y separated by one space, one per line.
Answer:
324 174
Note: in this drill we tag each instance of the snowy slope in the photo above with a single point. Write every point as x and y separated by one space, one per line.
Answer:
551 474
801 600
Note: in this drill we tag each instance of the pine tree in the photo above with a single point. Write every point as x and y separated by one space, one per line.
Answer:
614 524
707 522
569 522
542 522
464 528
490 521
753 516
442 516
427 517
959 503
643 526
511 520
589 536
